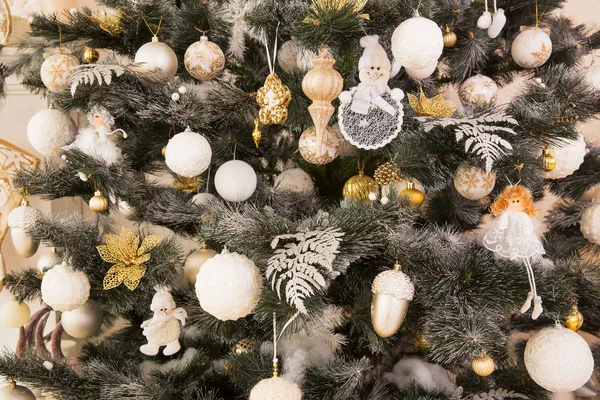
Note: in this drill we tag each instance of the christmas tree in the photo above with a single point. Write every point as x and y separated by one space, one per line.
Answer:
359 236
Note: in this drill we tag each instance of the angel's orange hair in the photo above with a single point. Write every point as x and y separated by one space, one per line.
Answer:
514 192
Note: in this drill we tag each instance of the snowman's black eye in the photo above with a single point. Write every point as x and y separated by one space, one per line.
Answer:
378 68
518 201
372 67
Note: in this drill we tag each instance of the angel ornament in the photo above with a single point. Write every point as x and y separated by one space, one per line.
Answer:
511 236
164 328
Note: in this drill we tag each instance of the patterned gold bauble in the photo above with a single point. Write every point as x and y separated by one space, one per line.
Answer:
323 154
574 320
449 38
415 195
204 60
421 343
98 203
273 99
548 160
91 55
483 365
359 187
474 183
244 346
256 132
57 70
387 173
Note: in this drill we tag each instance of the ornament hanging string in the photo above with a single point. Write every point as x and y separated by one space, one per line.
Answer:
276 338
59 39
157 28
486 6
272 63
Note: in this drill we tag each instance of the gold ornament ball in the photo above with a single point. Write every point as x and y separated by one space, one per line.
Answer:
14 314
548 160
483 365
574 320
449 38
323 154
359 187
194 262
98 203
244 346
16 392
163 151
204 60
415 196
57 70
91 55
421 343
387 173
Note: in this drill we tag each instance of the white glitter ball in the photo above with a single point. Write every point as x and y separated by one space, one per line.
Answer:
235 180
49 130
175 97
188 154
417 43
294 180
569 157
48 365
276 388
23 217
228 286
558 359
64 288
590 223
394 283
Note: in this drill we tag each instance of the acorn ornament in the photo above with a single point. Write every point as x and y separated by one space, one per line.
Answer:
548 160
483 365
415 196
574 320
98 203
360 187
449 38
19 221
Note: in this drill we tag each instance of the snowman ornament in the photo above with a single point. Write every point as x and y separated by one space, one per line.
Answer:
164 328
370 114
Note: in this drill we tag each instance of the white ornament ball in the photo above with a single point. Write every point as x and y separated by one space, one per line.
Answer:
175 97
478 92
474 183
590 223
592 74
84 321
203 198
182 90
48 365
157 55
294 180
188 154
304 59
16 392
57 70
569 156
558 359
417 43
228 286
194 262
64 288
204 60
48 260
276 388
326 153
423 73
235 180
531 48
14 314
49 130
286 56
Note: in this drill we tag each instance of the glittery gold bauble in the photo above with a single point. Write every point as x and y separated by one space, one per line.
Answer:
98 203
483 365
415 195
449 38
14 314
273 99
359 187
194 262
548 160
244 346
57 70
323 154
16 392
574 320
322 85
421 343
256 132
204 60
387 173
91 55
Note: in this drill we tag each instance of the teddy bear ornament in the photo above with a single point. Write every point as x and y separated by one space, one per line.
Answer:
164 327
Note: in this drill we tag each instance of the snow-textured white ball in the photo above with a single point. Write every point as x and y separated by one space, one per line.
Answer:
276 388
422 73
569 156
188 154
590 223
417 43
203 198
531 48
228 286
235 180
558 359
47 261
294 180
57 70
64 288
157 55
474 183
49 130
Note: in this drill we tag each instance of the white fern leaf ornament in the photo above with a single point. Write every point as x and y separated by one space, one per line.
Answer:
95 73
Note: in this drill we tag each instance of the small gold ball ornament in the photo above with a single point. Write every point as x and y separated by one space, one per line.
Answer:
98 203
483 365
449 38
163 151
415 196
91 55
359 187
195 261
256 132
574 320
548 160
421 343
244 346
387 173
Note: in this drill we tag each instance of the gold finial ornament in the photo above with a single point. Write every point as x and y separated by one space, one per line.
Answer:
273 99
574 320
256 132
98 203
548 160
483 365
434 107
415 195
449 38
360 187
91 55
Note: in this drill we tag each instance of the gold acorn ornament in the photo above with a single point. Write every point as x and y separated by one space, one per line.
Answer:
361 187
449 38
387 173
548 160
244 346
483 365
256 132
575 319
322 84
415 196
392 291
98 203
91 55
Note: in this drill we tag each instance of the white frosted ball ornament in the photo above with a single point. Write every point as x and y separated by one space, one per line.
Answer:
474 183
590 223
235 180
286 56
14 314
417 43
423 73
532 47
57 70
203 198
20 220
48 260
558 359
228 286
64 288
569 156
294 180
84 321
159 56
478 92
49 130
188 154
276 388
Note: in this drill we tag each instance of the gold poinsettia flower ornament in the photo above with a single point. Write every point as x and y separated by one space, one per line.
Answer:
128 259
431 107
